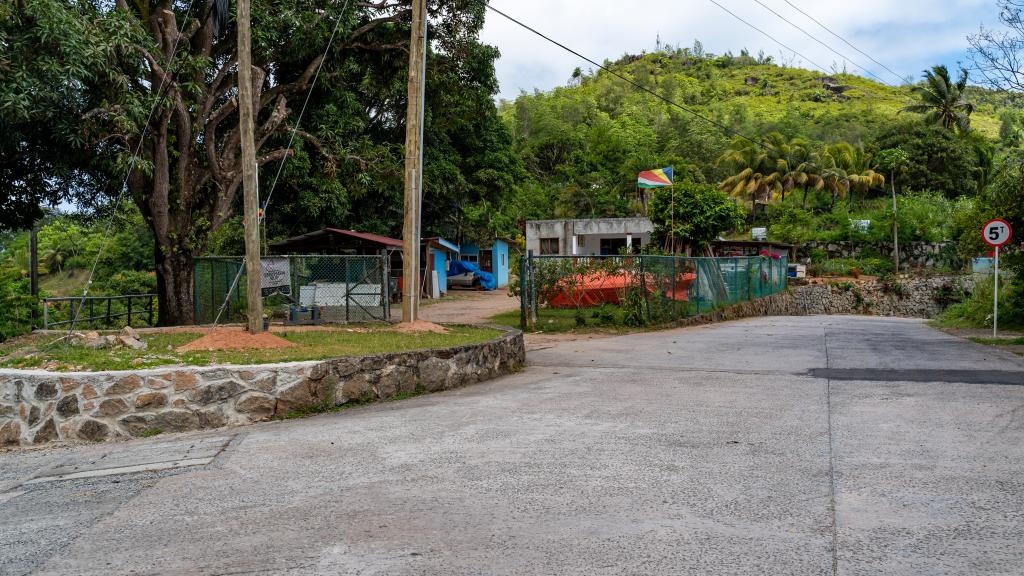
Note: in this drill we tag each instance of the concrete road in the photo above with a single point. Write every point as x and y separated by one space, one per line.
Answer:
819 445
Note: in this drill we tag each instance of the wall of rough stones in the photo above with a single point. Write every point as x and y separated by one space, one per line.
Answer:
913 298
912 254
38 406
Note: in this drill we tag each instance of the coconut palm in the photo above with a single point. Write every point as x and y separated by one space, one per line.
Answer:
863 177
794 164
837 162
942 100
753 172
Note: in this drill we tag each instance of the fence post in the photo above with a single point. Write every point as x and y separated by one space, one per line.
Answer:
522 293
533 289
46 315
675 303
152 308
643 290
129 310
385 290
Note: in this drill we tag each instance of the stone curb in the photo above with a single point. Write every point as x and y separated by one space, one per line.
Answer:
37 406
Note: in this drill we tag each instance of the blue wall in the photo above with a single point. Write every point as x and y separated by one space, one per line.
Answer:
499 253
440 265
501 262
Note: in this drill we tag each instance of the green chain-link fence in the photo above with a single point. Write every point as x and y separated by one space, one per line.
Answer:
640 290
297 289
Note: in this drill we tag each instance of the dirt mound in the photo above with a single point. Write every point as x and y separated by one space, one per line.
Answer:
227 339
420 326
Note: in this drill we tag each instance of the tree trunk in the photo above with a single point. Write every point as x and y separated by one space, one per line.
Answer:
174 275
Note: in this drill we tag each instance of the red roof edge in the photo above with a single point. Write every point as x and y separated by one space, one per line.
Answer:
368 236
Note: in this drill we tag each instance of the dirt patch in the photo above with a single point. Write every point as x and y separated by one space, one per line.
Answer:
419 327
234 339
464 307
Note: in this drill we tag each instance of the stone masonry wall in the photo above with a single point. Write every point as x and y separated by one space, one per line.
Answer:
914 298
38 406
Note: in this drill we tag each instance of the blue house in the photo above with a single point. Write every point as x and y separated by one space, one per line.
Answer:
438 253
493 259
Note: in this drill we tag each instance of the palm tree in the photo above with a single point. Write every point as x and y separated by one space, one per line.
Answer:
837 161
863 177
942 100
753 172
794 164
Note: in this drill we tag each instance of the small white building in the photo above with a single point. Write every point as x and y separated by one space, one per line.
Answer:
592 237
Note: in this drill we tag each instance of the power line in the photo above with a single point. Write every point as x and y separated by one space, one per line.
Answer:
131 168
847 42
668 101
769 36
812 37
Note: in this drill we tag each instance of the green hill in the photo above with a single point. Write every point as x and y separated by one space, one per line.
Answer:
585 142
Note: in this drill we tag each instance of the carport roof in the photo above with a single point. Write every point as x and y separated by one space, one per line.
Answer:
336 237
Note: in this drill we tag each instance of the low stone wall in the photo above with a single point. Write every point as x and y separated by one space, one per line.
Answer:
912 254
39 406
911 298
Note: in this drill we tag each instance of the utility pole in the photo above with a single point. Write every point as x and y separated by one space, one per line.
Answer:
895 225
250 176
414 163
33 246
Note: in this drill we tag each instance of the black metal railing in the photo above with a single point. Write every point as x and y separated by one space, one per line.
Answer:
100 311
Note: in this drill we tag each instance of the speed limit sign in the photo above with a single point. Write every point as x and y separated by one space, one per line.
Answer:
997 232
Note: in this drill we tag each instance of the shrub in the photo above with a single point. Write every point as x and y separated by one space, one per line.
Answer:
975 311
128 282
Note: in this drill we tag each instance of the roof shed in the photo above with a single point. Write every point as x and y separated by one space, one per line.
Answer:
336 241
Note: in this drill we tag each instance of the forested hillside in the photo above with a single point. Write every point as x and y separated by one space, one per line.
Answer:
100 116
584 143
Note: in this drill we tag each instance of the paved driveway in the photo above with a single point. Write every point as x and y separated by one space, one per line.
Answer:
818 445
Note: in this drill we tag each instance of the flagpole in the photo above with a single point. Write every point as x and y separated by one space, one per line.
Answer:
672 191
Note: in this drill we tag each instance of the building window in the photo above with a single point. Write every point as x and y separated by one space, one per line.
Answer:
502 259
548 246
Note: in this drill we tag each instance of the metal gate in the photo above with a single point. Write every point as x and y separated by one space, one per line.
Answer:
311 289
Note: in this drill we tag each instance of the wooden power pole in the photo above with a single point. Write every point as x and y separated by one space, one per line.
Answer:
414 163
250 175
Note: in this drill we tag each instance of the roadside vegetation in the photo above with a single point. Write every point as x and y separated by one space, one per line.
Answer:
820 150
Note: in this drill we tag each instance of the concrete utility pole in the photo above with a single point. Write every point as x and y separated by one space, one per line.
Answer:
33 247
250 174
414 163
895 225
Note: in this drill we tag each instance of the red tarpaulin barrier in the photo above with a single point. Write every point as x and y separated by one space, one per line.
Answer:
602 288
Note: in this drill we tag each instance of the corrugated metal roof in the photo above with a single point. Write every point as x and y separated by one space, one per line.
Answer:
369 237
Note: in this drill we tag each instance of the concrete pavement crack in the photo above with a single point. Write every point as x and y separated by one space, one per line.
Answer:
831 462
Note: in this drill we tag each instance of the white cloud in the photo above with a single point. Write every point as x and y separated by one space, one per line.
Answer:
906 35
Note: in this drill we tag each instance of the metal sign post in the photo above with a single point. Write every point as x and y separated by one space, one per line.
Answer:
996 233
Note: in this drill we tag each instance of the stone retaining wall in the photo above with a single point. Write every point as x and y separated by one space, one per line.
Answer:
38 406
912 298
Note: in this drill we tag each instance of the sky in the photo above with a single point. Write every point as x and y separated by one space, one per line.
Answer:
905 35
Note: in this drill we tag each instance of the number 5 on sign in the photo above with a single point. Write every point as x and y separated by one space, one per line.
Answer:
996 233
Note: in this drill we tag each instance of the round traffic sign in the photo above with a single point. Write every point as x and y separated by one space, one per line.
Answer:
997 232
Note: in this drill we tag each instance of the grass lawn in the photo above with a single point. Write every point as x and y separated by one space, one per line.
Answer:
999 341
39 351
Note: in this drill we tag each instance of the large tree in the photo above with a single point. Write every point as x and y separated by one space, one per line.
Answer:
997 54
168 56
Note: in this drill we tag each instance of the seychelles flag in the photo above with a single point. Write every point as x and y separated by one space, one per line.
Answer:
655 178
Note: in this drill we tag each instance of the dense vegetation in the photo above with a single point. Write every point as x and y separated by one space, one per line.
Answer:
798 151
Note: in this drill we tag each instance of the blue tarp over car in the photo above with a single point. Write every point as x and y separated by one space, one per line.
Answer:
487 280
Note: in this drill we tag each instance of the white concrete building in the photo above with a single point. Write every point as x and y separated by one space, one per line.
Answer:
593 237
